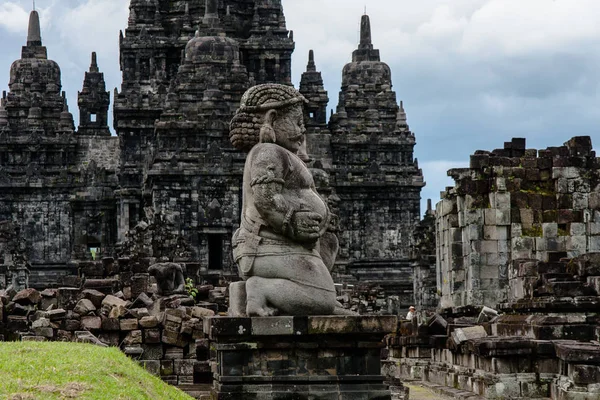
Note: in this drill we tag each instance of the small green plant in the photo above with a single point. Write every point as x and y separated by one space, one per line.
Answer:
534 231
191 288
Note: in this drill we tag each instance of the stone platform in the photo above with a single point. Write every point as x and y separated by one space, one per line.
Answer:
299 358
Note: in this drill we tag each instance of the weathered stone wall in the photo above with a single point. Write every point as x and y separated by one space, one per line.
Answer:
515 203
424 263
541 344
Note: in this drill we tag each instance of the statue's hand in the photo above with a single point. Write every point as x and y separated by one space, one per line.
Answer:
306 226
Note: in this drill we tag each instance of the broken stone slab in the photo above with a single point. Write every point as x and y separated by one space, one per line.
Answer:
517 346
46 332
200 312
577 352
17 323
28 296
486 315
171 337
139 312
173 353
49 293
55 315
37 315
133 337
461 335
67 297
152 336
111 324
111 301
72 325
88 337
41 323
94 296
142 301
437 325
149 322
189 326
30 338
18 309
117 311
102 285
129 324
91 323
84 307
64 336
133 351
584 374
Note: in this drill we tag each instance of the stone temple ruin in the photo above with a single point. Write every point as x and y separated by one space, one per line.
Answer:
76 193
103 238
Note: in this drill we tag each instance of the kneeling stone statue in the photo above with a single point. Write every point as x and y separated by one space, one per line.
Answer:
283 240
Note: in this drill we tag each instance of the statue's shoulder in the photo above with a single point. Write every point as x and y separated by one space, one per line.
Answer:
266 151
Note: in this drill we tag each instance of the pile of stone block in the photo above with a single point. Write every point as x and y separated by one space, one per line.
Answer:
165 336
540 354
364 299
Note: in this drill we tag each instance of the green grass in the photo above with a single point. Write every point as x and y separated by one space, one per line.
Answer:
47 371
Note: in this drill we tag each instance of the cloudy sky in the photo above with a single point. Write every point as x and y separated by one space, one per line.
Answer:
472 73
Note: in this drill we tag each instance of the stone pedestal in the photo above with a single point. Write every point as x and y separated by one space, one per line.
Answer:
299 358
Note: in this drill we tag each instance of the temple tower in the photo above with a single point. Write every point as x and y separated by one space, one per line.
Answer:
318 137
375 175
268 51
35 100
93 101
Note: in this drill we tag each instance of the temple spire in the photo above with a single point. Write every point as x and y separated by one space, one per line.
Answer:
211 10
94 64
211 16
365 33
311 61
34 35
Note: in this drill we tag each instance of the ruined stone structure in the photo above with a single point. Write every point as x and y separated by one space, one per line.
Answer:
56 184
515 203
374 173
518 233
76 193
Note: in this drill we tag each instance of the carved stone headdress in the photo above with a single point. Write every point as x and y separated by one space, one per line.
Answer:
246 125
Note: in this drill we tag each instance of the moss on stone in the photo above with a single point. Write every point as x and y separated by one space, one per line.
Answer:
534 231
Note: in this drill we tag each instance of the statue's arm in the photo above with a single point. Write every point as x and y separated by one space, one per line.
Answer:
268 170
268 178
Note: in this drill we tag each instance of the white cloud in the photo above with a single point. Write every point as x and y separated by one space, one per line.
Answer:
94 26
13 17
516 27
472 73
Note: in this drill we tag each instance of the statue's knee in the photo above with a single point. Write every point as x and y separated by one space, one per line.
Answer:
253 285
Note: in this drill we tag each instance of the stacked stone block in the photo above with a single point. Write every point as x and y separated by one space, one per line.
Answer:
325 357
514 203
166 338
542 343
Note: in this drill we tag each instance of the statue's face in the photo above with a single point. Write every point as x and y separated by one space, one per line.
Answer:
289 129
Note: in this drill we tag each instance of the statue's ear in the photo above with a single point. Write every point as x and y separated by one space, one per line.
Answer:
267 133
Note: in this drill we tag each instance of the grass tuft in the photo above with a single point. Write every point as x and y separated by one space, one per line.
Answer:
49 371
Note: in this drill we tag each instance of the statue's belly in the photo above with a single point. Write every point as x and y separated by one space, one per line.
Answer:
307 200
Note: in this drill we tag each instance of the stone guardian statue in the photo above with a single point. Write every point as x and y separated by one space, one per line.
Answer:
278 248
